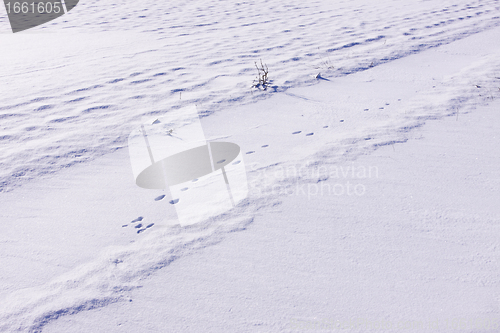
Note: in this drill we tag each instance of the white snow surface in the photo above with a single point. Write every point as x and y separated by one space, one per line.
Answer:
406 108
73 89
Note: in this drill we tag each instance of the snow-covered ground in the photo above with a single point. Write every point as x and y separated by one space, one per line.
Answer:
374 187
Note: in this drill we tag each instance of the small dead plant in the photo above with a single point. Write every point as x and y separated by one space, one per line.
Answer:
262 80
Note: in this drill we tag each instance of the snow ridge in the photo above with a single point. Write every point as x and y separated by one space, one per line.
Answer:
111 277
84 103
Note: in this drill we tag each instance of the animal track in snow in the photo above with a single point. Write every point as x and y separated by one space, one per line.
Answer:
142 228
160 197
145 228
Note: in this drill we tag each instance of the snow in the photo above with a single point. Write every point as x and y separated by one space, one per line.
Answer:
373 187
138 58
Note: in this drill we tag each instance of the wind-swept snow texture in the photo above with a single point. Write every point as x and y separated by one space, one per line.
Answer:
73 90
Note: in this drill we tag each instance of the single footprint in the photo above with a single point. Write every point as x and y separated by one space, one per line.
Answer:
221 161
297 132
367 109
309 134
265 146
237 162
173 202
139 219
123 226
138 226
325 126
386 103
184 189
144 229
195 180
160 197
381 108
342 120
250 152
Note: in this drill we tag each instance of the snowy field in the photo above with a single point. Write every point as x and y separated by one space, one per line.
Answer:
374 186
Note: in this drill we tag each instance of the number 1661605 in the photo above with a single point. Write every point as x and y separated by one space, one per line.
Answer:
38 8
